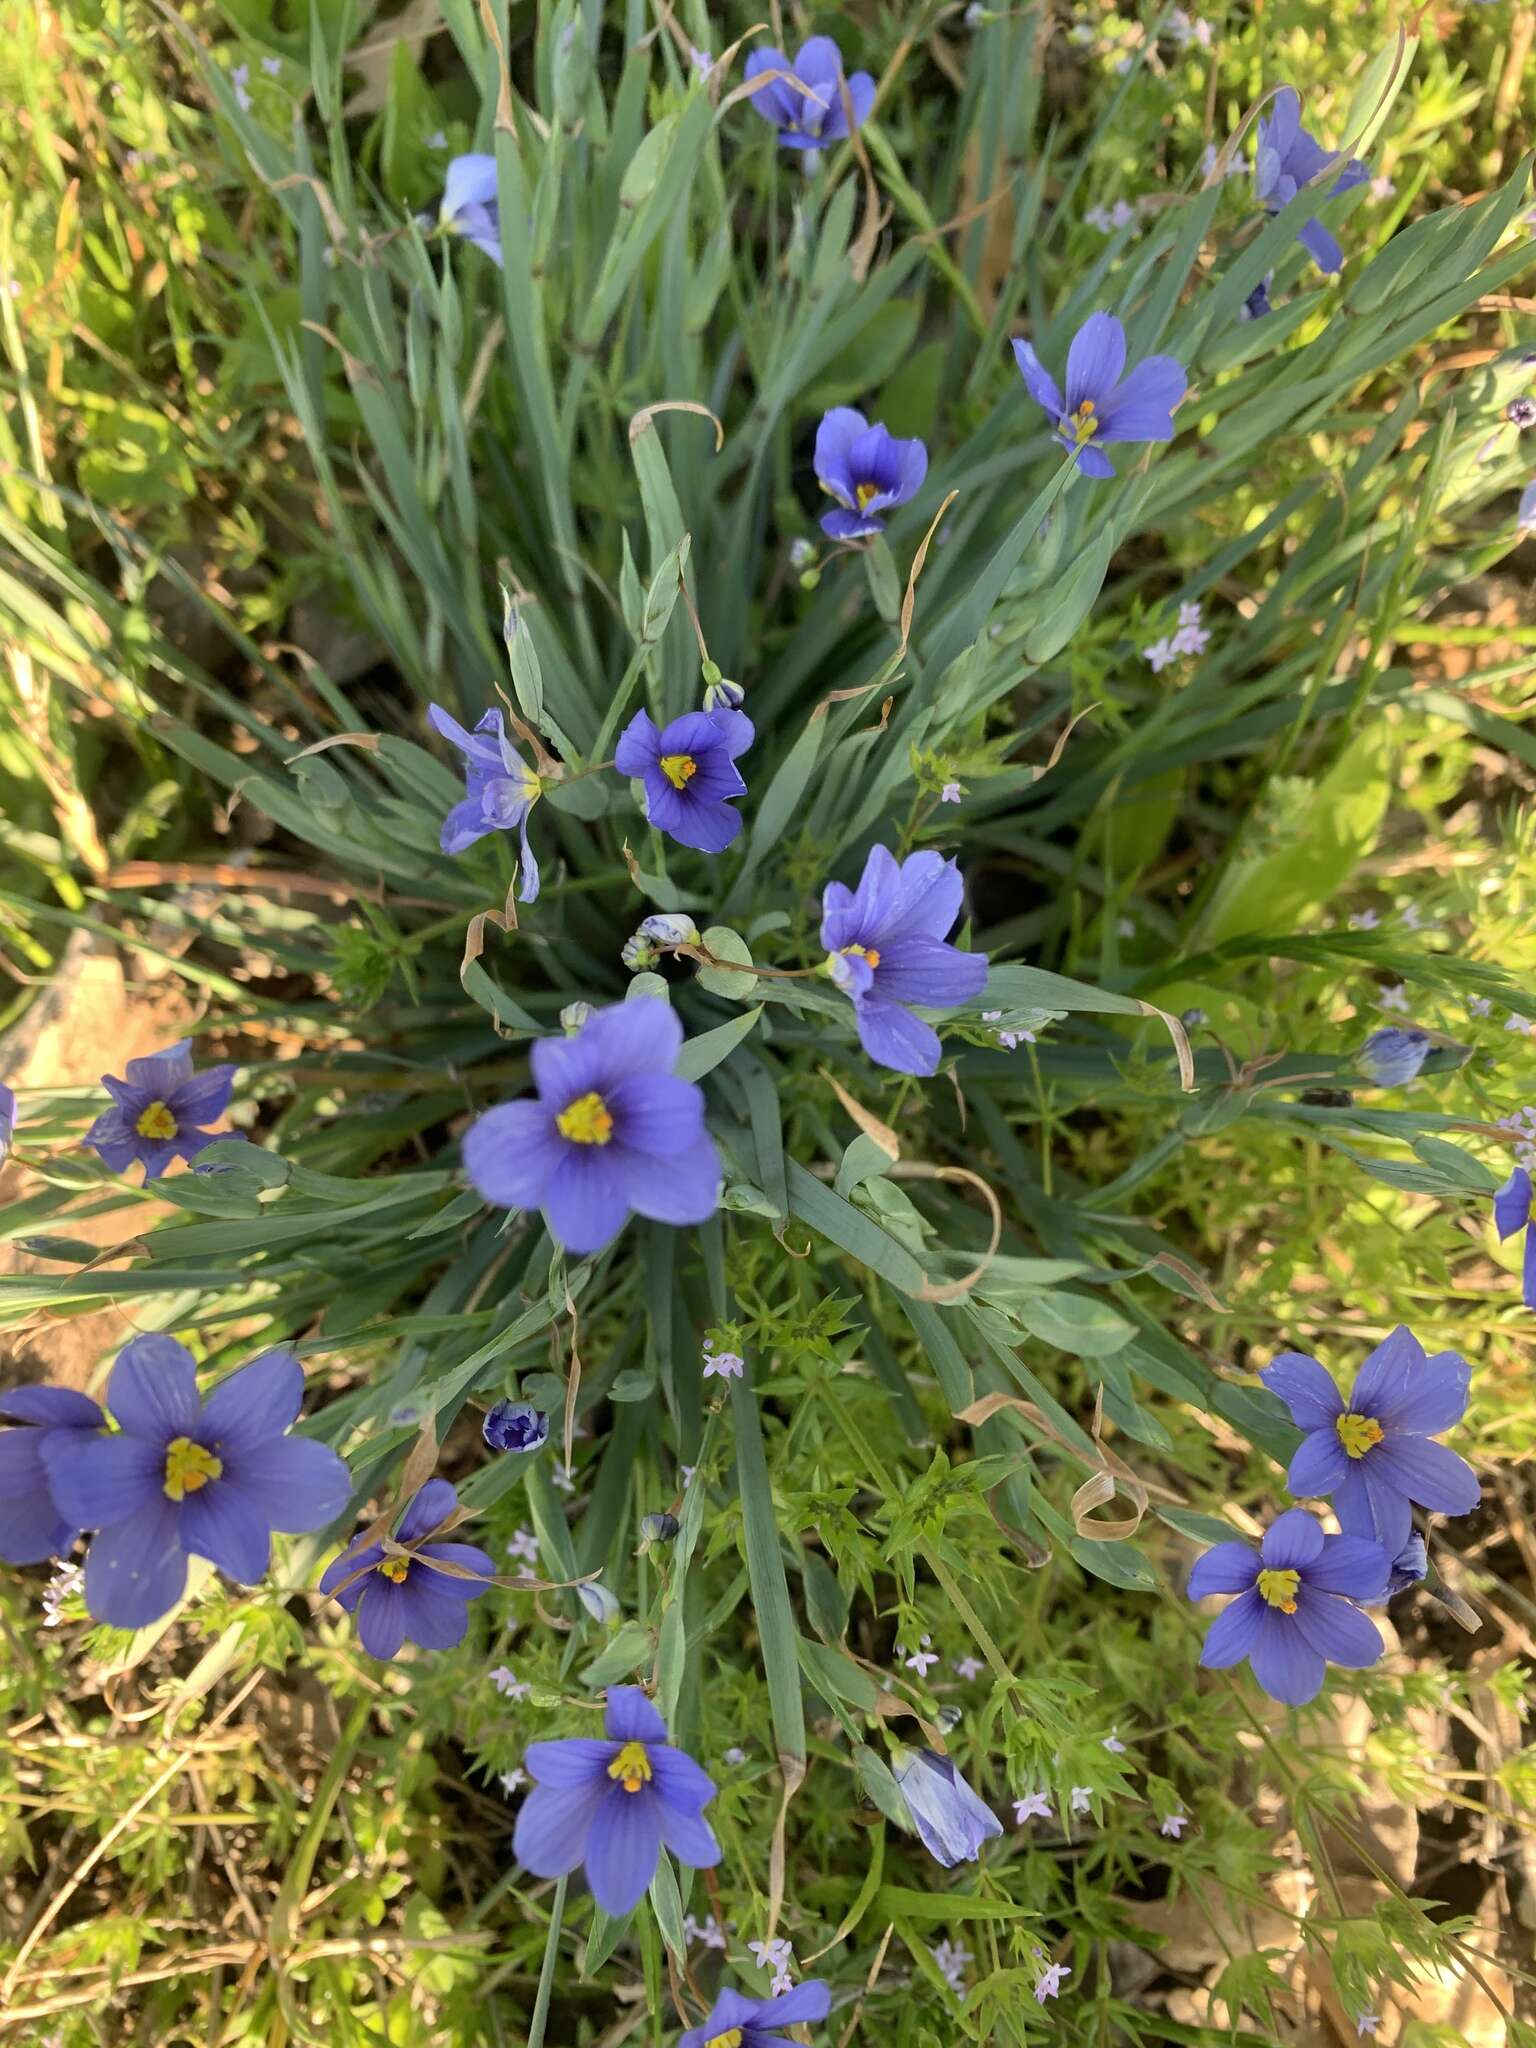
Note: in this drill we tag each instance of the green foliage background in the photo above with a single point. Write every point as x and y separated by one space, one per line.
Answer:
271 453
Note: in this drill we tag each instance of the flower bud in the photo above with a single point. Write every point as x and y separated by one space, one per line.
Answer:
951 1820
602 1605
801 552
1392 1055
638 953
574 1015
515 1426
670 928
659 1528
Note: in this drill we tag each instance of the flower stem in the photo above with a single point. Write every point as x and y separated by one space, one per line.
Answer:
547 1969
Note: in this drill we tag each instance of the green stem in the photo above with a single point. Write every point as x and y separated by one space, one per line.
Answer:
547 1969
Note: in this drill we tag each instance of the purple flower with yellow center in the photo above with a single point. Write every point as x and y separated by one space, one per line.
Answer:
1289 158
1512 1212
500 789
160 1112
1376 1454
866 469
804 100
612 1131
1101 404
396 1589
952 1821
689 772
188 1477
470 205
31 1526
1295 1613
886 949
612 1805
737 2022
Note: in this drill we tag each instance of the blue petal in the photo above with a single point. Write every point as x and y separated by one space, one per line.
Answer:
631 1717
573 1762
136 1571
1319 1463
1350 1565
586 1204
381 1617
553 1827
97 1481
1397 1359
222 1524
300 1485
1094 361
623 1845
1512 1203
1430 1397
1038 381
1305 1388
894 1038
428 1510
1336 1629
1292 1541
639 747
1228 1568
52 1408
1427 1473
1232 1635
1284 1662
153 1389
836 437
1321 246
255 1404
511 1154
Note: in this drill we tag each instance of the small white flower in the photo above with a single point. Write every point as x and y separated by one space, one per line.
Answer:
272 66
951 1960
968 1667
508 1684
1082 1799
1174 1825
735 1754
1126 927
724 1365
1394 998
950 793
1382 187
1113 1744
1190 640
1480 1006
523 1545
1159 655
1033 1806
1365 921
562 1479
243 99
510 1780
1050 1982
922 1657
1367 2023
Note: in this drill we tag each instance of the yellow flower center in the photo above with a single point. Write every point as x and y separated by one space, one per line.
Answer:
1084 422
586 1121
868 953
731 2038
156 1122
679 768
188 1468
631 1768
1357 1433
864 493
395 1569
1279 1589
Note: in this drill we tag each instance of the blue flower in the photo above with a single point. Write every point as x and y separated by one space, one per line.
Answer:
689 772
952 1821
612 1130
611 1805
1392 1056
7 1121
469 205
1100 405
886 949
866 470
809 114
400 1596
31 1525
1295 1613
1512 1212
160 1111
515 1426
599 1601
500 789
1289 158
737 2022
188 1477
1375 1456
